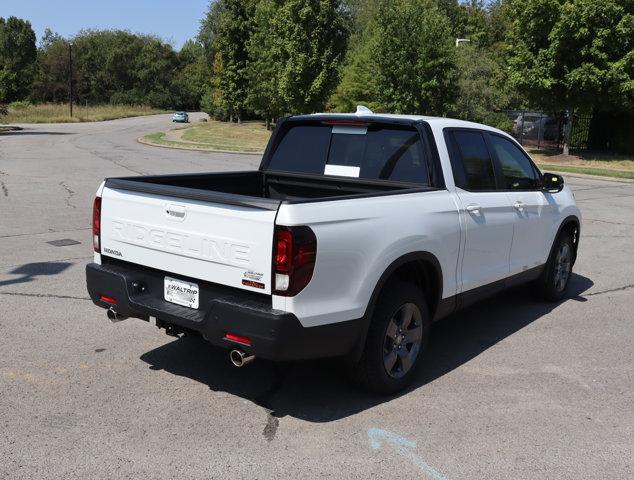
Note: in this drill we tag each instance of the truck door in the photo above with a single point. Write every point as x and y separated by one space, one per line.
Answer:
487 216
535 216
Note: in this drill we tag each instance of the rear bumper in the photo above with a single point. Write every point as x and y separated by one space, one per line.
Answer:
275 335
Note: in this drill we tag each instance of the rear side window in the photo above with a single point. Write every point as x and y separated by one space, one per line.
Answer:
518 172
371 152
477 168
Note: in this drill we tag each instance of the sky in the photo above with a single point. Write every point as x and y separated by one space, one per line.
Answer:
175 21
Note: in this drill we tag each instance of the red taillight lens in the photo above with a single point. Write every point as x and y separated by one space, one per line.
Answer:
283 251
293 259
96 224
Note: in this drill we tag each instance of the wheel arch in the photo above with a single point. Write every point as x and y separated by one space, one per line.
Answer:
422 268
572 226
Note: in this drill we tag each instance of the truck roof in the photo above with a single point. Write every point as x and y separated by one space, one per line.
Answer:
364 113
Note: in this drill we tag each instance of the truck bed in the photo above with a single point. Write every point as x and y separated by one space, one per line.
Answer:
258 189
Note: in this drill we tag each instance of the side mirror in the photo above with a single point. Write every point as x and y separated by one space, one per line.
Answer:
552 182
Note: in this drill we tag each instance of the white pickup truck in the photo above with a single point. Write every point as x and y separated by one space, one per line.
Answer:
354 235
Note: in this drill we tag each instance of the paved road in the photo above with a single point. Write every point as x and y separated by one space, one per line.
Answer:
512 388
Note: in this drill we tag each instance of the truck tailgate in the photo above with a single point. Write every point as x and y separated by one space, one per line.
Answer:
218 242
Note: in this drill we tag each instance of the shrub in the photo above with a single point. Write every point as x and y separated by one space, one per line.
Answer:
20 105
500 121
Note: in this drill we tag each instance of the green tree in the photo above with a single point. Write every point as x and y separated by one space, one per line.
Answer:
232 31
17 58
193 76
313 37
414 54
120 67
51 78
264 65
573 54
357 86
296 51
481 83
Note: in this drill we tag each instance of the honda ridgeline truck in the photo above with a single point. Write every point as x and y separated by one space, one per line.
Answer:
355 234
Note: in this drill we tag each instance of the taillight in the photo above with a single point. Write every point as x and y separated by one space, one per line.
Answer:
293 259
96 224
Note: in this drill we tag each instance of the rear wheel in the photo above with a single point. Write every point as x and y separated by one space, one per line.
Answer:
554 281
396 340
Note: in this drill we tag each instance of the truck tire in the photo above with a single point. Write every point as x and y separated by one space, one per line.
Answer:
553 282
396 340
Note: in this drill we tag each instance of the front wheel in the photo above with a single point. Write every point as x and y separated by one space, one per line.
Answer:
554 280
396 340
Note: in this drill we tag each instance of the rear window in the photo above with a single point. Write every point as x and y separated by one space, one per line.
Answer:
371 152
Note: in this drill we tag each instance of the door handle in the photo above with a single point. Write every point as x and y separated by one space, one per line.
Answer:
473 208
519 206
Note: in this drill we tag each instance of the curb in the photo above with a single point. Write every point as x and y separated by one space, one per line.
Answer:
144 141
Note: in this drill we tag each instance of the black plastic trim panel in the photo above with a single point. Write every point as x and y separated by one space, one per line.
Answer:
275 335
138 185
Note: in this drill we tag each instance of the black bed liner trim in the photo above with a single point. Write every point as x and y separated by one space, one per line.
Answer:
142 185
192 193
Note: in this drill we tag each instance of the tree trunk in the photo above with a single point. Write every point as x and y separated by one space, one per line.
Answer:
268 123
568 131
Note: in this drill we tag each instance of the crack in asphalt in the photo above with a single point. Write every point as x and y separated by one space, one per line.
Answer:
265 401
271 427
5 190
44 233
98 154
44 295
69 196
607 221
598 188
619 289
604 198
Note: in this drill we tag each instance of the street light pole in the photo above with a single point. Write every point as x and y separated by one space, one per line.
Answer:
70 76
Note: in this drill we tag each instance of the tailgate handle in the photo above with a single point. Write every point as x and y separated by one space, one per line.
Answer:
176 212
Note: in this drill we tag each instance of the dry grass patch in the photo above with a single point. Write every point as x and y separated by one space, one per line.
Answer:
59 113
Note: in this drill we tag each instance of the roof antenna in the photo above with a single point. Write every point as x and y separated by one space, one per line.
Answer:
363 110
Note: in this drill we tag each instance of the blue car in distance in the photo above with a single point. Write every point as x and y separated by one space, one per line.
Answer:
180 117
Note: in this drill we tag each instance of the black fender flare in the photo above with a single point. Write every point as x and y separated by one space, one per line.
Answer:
428 257
564 223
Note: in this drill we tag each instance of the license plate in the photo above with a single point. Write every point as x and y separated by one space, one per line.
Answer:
181 293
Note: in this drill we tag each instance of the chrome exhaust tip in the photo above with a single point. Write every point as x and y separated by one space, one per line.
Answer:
114 316
240 358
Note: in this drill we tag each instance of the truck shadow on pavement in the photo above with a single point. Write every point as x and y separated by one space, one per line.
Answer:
319 391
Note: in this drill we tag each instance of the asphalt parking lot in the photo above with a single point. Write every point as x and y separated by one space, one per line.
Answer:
512 388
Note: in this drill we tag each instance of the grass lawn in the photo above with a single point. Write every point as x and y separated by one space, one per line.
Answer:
213 135
590 163
59 113
603 172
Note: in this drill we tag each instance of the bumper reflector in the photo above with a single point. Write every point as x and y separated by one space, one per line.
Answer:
237 338
107 299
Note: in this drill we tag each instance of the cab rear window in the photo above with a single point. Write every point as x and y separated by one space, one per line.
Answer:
371 151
